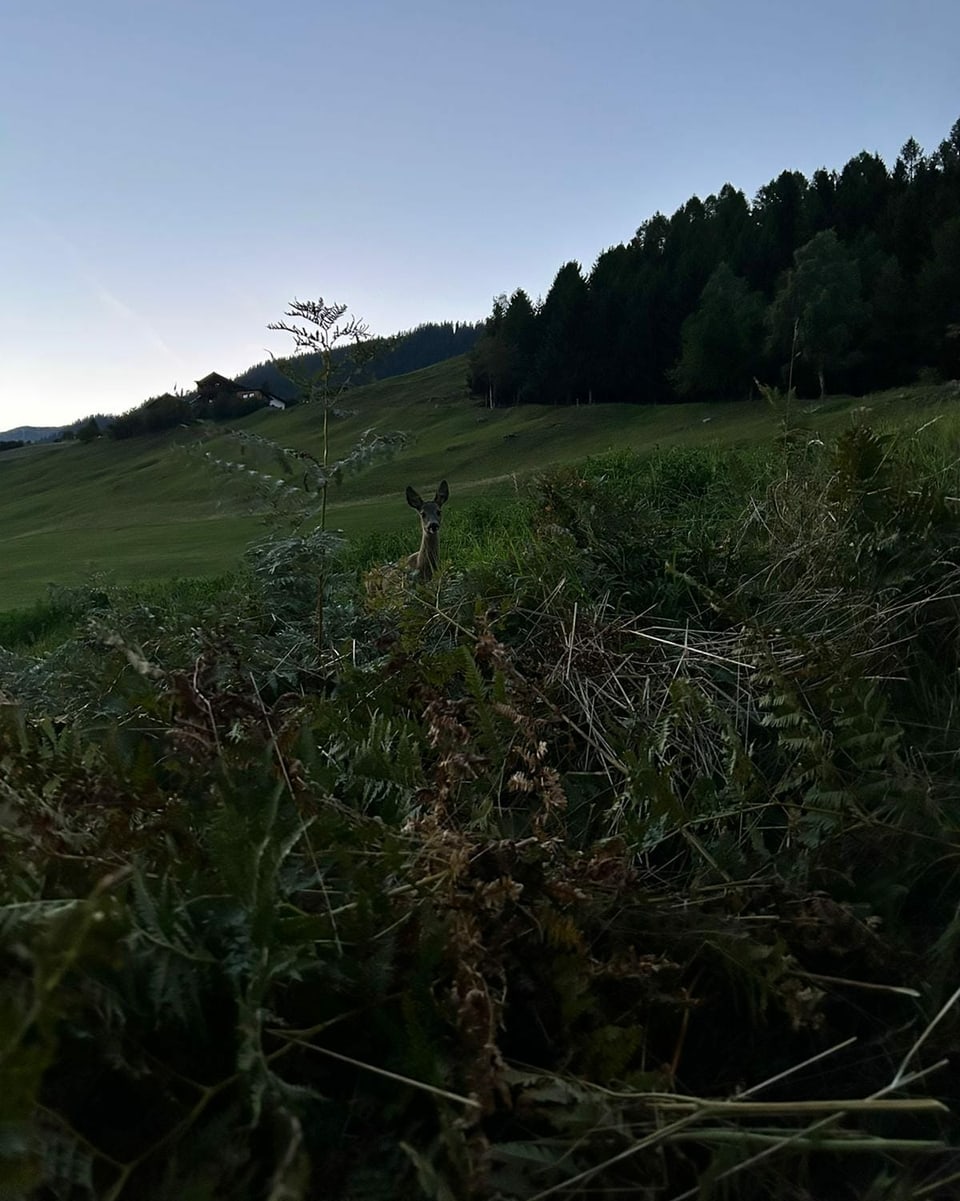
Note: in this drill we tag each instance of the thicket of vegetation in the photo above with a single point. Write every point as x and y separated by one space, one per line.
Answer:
620 860
159 413
855 274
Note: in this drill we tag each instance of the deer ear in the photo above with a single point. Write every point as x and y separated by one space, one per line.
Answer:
413 499
443 493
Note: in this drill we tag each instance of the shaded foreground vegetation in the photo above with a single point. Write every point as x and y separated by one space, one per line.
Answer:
621 860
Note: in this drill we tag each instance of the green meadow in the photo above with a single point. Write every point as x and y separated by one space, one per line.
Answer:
152 509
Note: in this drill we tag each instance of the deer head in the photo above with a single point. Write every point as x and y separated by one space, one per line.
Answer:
429 510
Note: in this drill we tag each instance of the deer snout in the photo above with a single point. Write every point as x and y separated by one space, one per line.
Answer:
433 527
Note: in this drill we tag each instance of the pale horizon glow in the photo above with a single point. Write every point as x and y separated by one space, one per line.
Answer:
178 170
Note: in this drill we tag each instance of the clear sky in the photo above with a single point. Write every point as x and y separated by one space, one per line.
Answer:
174 171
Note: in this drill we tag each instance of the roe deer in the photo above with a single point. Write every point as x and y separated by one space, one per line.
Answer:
427 559
391 578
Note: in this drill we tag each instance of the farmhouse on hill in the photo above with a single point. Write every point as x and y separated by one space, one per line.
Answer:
215 384
225 397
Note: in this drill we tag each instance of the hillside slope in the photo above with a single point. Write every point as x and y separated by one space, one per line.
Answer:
148 508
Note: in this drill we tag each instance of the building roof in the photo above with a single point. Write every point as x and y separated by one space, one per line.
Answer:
216 380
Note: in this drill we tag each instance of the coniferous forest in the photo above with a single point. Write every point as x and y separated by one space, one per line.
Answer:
854 276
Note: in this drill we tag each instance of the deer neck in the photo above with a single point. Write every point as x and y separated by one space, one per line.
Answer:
428 556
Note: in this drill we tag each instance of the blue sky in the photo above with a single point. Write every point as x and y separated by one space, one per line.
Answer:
174 171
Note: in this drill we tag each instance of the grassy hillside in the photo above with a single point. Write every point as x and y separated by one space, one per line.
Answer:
148 509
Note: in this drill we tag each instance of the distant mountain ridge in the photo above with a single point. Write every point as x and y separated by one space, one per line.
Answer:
31 433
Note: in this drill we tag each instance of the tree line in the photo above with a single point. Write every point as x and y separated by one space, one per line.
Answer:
848 280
